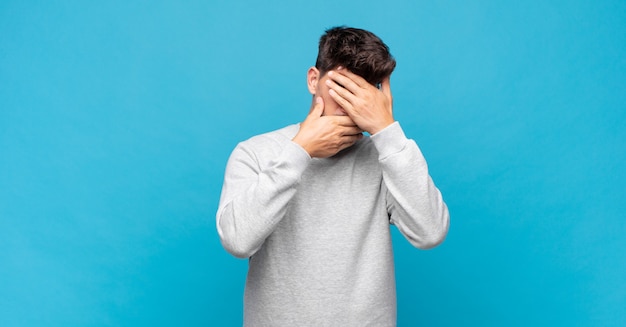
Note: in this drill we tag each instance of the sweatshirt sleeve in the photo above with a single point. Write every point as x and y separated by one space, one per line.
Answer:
255 196
414 204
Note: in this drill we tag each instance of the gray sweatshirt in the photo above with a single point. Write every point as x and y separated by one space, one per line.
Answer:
317 230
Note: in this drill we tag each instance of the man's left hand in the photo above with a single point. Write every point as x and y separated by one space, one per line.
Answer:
369 107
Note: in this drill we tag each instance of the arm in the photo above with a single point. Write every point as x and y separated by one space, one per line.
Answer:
254 198
255 195
414 204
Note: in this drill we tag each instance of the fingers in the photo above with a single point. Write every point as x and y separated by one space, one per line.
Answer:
349 140
348 79
353 82
344 86
352 131
318 108
344 121
343 97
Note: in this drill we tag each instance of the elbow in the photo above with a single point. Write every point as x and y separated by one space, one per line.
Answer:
431 240
239 252
234 239
233 245
439 236
234 242
435 235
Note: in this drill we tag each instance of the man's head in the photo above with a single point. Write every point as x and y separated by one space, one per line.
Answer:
358 51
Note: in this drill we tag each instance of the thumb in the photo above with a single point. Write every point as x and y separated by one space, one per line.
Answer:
318 108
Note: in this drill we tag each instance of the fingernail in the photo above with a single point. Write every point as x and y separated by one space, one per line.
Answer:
330 73
318 100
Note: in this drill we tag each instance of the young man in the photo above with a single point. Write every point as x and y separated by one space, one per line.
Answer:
311 204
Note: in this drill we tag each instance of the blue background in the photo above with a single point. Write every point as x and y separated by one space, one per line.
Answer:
117 118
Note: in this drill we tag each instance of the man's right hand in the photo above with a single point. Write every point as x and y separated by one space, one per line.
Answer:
324 136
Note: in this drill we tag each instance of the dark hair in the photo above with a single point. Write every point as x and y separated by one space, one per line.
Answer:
360 51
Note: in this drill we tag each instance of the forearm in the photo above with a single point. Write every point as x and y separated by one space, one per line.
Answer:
415 204
254 198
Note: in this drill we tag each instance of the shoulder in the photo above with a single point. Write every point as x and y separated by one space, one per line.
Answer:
273 138
269 143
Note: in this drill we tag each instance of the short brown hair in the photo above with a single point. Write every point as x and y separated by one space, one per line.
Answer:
360 51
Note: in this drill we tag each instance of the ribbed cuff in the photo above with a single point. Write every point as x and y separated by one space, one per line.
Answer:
389 140
297 153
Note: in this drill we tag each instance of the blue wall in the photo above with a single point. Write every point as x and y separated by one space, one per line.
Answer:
117 118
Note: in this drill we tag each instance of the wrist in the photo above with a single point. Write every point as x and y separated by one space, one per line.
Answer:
302 144
381 126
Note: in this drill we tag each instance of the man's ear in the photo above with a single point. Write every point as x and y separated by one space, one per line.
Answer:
312 78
